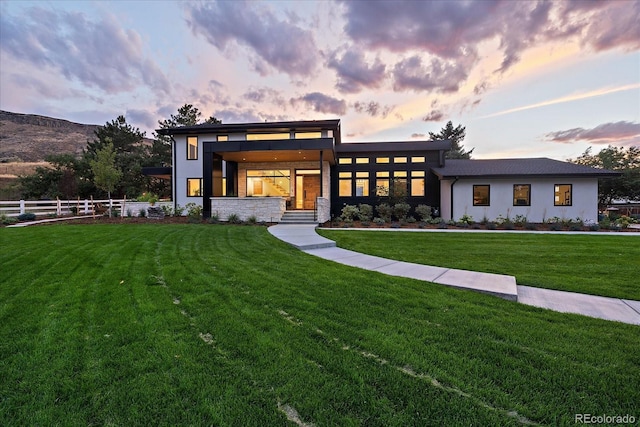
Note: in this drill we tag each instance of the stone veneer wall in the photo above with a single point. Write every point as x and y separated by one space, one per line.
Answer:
267 209
324 209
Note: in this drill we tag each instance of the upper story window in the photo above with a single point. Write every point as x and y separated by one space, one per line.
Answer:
221 138
522 195
382 160
266 136
362 160
308 135
344 160
418 159
399 160
562 194
192 148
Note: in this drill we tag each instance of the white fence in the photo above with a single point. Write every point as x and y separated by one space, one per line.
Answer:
62 207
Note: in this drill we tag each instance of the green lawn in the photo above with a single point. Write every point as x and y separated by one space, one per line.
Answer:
606 265
221 325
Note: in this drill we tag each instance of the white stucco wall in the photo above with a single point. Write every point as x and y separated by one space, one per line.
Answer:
584 199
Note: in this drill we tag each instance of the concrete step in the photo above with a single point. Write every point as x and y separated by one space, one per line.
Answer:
298 217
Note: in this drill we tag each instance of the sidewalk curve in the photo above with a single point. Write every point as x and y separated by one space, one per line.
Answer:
305 238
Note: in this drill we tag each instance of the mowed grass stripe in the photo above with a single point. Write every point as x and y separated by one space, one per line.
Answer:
226 325
605 265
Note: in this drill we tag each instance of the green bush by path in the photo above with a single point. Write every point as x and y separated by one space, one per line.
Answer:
606 265
217 325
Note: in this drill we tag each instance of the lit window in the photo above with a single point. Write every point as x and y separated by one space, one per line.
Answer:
417 187
344 189
192 148
562 194
362 184
344 160
221 138
382 187
308 135
480 195
382 174
276 182
382 160
400 174
362 160
194 187
399 160
418 159
522 195
266 136
416 174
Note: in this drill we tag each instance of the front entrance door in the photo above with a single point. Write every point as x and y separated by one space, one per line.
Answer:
307 189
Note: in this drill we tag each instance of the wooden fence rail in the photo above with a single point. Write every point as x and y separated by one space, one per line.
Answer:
61 207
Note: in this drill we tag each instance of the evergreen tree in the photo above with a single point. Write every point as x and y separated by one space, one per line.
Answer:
456 136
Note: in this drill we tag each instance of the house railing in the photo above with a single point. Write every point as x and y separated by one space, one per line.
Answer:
59 207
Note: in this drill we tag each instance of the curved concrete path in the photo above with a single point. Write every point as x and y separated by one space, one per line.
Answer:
305 238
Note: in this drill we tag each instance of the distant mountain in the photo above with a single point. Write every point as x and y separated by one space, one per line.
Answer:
29 137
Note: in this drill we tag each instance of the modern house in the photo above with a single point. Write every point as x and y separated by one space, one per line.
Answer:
271 170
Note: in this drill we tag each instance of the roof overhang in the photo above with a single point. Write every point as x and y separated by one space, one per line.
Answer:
281 150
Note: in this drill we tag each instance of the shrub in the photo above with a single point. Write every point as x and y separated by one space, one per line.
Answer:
411 220
252 220
152 198
508 225
365 212
168 210
401 210
605 224
466 219
555 226
530 226
194 211
575 226
520 220
234 219
424 212
179 210
7 220
378 221
27 216
385 211
142 213
215 218
491 225
594 227
624 221
349 213
129 213
436 221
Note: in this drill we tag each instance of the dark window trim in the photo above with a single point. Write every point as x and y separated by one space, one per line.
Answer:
197 147
528 193
488 195
570 195
201 189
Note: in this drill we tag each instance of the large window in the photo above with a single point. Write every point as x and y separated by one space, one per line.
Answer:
275 182
308 135
344 182
194 187
417 183
382 183
192 148
362 184
480 195
522 195
562 195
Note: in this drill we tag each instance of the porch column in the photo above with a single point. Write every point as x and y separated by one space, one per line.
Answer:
321 176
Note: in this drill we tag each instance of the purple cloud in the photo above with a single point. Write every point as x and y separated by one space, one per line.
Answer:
280 44
141 117
620 133
322 103
437 76
373 108
99 54
433 116
354 73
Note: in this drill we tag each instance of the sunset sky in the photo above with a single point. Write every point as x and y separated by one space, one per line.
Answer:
526 78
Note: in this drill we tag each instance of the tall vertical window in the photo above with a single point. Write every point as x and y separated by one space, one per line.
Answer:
192 148
382 183
344 181
480 195
522 195
194 187
562 195
417 183
362 184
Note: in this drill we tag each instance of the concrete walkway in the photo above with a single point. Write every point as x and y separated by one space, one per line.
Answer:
305 238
